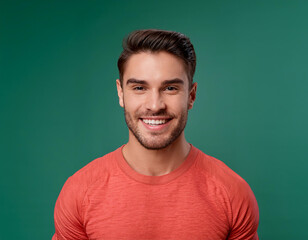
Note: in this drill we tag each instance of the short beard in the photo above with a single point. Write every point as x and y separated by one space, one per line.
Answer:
152 146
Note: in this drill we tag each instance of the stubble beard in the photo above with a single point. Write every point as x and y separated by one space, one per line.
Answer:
155 142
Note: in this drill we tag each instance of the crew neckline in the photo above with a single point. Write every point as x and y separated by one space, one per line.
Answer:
156 180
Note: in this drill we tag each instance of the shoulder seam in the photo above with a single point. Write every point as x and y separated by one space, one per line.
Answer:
226 191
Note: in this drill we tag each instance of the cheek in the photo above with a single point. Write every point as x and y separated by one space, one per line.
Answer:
131 104
178 104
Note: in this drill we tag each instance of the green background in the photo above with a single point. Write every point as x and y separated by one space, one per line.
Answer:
59 108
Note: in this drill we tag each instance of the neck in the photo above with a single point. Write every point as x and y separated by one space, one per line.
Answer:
156 162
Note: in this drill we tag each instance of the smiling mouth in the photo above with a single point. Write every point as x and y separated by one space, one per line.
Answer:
155 122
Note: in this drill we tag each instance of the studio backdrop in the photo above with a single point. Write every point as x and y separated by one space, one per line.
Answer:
59 106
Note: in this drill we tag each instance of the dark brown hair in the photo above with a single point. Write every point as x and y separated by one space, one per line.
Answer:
154 40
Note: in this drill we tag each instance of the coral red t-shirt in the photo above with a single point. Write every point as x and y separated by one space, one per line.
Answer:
201 199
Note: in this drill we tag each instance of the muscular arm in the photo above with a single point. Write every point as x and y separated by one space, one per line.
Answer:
68 214
245 213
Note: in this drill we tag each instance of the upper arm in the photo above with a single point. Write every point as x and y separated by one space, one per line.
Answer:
68 213
245 214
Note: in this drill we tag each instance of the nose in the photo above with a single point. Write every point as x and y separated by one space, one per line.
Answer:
155 102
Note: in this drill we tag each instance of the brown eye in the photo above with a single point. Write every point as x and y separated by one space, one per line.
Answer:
138 88
171 88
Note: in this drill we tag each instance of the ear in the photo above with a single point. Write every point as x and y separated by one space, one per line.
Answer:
120 93
192 95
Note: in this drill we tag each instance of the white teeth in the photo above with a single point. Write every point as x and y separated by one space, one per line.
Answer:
154 122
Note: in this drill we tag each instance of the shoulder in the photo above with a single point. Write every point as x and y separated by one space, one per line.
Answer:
79 183
69 208
242 207
98 169
219 173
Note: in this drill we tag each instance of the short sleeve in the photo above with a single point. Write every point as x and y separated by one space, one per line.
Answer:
245 213
68 212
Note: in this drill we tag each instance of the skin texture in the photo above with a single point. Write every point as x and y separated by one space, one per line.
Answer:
155 87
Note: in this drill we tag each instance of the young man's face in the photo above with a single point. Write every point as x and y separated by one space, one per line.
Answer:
156 97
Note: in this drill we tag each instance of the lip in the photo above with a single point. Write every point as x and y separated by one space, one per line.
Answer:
158 127
156 118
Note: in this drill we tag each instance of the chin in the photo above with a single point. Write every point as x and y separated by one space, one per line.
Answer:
158 144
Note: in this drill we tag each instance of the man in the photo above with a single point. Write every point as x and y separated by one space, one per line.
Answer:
157 186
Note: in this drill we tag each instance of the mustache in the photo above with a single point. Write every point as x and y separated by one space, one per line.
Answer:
160 113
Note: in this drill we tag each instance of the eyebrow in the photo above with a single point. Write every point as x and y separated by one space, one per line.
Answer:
173 81
136 81
166 82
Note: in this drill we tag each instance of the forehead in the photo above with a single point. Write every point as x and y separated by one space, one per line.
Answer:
158 66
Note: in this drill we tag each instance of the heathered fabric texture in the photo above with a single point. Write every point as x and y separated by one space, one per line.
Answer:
202 199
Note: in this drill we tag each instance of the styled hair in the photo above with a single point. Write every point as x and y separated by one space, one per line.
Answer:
154 40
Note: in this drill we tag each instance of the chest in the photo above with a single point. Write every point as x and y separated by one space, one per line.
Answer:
182 210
